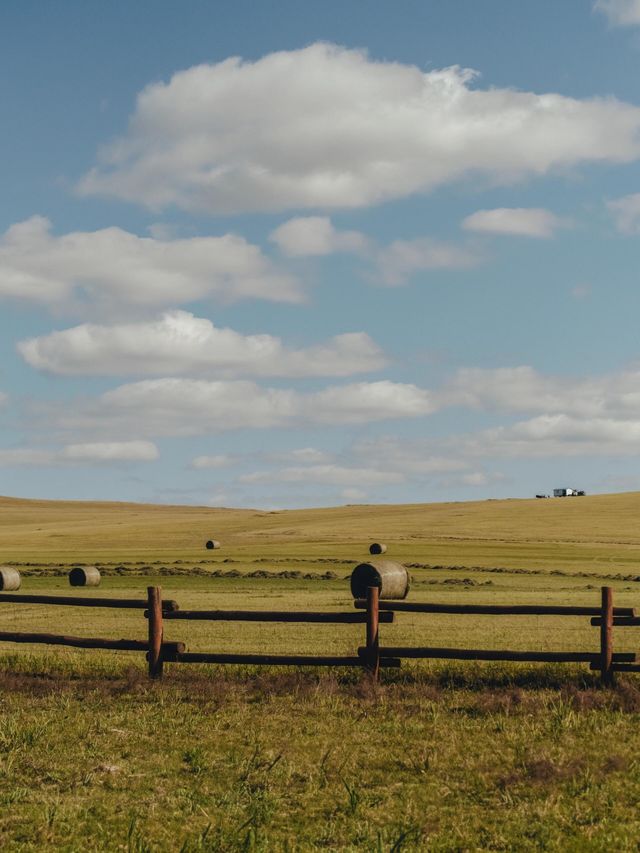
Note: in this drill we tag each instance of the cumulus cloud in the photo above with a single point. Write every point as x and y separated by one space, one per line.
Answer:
620 13
327 127
523 389
81 454
403 258
115 267
370 462
516 221
303 455
626 213
107 451
195 406
557 435
393 264
453 460
315 235
179 343
369 401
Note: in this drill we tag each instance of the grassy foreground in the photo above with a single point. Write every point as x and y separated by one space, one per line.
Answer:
99 759
439 757
93 757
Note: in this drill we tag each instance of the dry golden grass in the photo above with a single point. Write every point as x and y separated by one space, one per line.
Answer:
594 533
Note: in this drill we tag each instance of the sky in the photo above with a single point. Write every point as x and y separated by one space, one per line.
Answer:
283 254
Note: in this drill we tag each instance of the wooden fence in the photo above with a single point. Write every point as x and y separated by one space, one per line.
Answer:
605 617
371 656
157 610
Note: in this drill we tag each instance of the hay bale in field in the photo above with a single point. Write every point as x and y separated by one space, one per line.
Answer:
377 548
9 579
212 545
84 576
392 579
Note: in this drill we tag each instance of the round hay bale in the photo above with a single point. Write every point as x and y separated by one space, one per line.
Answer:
9 579
392 579
84 576
212 545
377 548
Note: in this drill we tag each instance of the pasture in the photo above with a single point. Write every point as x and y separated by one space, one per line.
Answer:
440 756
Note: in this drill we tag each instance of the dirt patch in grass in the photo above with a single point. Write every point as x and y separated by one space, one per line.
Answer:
251 684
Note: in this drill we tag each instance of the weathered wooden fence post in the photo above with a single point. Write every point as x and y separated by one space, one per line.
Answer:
154 599
606 637
373 641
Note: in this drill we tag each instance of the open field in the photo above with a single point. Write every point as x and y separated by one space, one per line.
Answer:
441 757
597 533
101 760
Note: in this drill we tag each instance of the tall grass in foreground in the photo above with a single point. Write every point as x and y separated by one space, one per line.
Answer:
94 757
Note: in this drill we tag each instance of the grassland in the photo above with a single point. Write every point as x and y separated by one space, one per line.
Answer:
438 757
600 533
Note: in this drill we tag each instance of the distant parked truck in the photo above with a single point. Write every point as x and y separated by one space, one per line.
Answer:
565 493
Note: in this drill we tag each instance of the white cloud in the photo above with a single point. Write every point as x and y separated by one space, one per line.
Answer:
316 235
195 406
394 264
620 13
220 461
626 213
81 454
328 127
115 267
326 475
402 258
557 435
517 221
477 478
179 343
368 463
4 398
369 401
523 389
107 451
304 455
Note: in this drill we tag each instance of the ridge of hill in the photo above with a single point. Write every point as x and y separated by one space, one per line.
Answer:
594 530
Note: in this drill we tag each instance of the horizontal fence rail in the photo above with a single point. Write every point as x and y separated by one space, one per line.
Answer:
158 651
85 642
495 609
498 654
371 657
605 617
274 616
72 601
277 660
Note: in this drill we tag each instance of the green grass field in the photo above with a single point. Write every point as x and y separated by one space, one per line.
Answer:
440 756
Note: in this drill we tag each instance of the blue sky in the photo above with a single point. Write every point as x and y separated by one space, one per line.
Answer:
280 255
